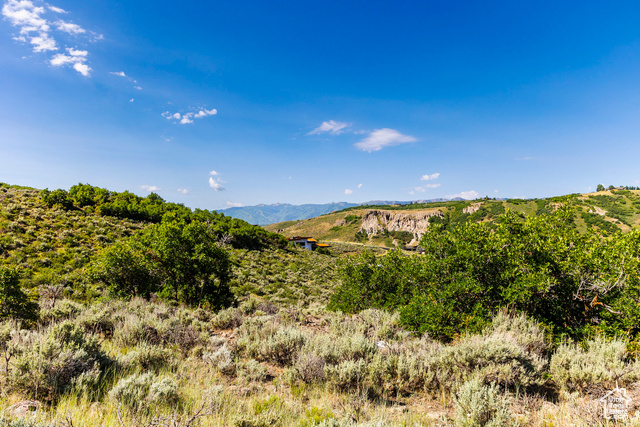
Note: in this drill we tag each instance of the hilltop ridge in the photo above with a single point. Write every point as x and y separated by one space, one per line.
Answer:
396 225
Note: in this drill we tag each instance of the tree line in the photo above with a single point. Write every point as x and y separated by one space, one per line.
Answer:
573 282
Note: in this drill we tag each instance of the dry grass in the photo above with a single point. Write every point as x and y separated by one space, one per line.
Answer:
302 367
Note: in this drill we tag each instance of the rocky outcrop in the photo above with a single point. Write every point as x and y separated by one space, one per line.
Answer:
374 222
472 208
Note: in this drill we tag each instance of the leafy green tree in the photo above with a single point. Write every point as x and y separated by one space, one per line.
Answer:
540 265
190 265
14 302
600 187
56 198
369 281
123 268
88 195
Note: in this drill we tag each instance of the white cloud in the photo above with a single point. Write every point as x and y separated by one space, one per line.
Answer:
43 43
430 177
83 69
468 195
36 29
69 27
204 113
333 127
347 191
381 138
131 100
74 52
234 205
149 188
187 118
183 191
61 59
424 188
215 183
137 88
118 73
56 9
26 15
76 58
359 185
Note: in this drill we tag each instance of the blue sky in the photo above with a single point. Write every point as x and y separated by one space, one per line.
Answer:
219 104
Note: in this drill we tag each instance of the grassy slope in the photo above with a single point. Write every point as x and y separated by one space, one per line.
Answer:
52 245
259 390
622 211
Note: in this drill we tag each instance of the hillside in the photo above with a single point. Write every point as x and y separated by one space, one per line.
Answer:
54 246
385 225
103 350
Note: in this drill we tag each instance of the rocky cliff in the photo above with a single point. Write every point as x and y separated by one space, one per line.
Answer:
376 221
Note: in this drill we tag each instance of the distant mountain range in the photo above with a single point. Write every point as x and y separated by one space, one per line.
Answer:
279 212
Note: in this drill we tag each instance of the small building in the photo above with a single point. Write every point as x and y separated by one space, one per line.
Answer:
413 247
307 243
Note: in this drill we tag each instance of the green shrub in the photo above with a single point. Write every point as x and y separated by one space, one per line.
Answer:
133 390
146 357
140 391
335 348
227 318
477 405
316 416
269 341
347 376
163 392
14 302
251 370
50 362
511 352
221 359
598 362
65 309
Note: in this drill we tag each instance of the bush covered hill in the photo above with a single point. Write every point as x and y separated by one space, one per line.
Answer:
118 310
609 210
75 242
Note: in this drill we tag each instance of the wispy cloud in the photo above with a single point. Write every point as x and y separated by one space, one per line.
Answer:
234 205
69 27
423 188
467 195
428 177
331 126
183 191
347 191
215 181
125 76
381 138
149 188
37 28
187 118
359 185
56 9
